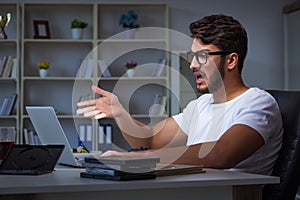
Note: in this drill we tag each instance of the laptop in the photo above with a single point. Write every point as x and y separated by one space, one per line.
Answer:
50 131
31 159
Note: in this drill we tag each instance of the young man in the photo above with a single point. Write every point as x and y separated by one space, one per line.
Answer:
230 126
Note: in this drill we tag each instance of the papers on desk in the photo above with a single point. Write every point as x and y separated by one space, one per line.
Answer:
133 168
177 169
119 168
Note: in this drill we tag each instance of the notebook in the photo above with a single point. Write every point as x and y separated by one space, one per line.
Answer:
50 131
31 159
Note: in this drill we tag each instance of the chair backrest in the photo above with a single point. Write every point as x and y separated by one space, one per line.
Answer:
287 165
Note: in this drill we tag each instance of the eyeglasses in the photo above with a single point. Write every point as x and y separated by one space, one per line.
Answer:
202 55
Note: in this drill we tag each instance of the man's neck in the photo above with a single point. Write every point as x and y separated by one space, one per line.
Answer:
229 91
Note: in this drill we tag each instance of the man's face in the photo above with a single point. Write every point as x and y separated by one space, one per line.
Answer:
209 76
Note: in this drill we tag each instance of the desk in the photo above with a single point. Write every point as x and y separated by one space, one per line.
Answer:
67 184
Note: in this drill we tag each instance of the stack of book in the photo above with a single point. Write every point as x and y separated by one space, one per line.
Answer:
120 168
31 137
6 108
8 67
159 105
177 169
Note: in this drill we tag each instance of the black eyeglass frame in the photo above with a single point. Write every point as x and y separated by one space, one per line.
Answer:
206 53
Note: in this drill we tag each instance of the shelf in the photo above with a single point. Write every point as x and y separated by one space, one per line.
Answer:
36 78
62 116
132 40
11 47
57 41
15 117
8 41
9 79
103 40
125 78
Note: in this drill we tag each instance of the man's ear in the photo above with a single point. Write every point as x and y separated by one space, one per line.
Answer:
232 61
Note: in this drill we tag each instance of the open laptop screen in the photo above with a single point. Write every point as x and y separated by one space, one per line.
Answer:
50 131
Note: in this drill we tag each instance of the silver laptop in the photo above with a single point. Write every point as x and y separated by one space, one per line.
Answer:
50 131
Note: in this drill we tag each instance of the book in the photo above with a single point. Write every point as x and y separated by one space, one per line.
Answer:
121 160
158 69
128 168
123 177
2 65
105 136
108 133
177 169
85 136
104 71
160 170
88 136
10 104
155 105
118 165
7 68
101 134
163 103
30 137
89 68
158 106
36 139
14 68
115 172
25 136
4 106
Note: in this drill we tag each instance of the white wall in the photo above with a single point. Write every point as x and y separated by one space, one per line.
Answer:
263 20
293 43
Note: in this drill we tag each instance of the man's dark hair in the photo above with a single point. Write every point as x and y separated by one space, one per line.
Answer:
223 31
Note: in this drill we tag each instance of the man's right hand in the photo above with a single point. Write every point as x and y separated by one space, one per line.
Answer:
107 105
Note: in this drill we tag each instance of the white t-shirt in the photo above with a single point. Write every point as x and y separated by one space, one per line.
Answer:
204 121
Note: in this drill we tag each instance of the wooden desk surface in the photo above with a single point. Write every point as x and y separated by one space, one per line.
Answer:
69 180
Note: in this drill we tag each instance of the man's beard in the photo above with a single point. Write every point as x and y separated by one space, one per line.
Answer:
215 82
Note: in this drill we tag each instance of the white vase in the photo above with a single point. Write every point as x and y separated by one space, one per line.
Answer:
43 72
130 72
77 33
129 33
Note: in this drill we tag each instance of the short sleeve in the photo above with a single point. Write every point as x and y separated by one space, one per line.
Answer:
191 112
184 119
262 114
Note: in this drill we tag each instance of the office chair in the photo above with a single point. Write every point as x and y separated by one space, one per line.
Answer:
287 165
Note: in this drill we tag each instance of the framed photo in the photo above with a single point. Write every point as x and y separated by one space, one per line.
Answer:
41 29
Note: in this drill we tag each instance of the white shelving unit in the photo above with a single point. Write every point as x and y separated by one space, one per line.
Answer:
61 51
61 89
11 47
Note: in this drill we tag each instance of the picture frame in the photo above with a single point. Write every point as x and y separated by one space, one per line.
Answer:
41 29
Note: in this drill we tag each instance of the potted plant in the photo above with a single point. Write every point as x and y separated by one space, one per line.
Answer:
43 66
130 66
129 23
77 27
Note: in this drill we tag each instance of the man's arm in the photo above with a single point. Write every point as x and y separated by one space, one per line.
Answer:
165 133
168 142
236 144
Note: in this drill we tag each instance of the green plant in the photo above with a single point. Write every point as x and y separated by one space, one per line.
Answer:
78 24
129 20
